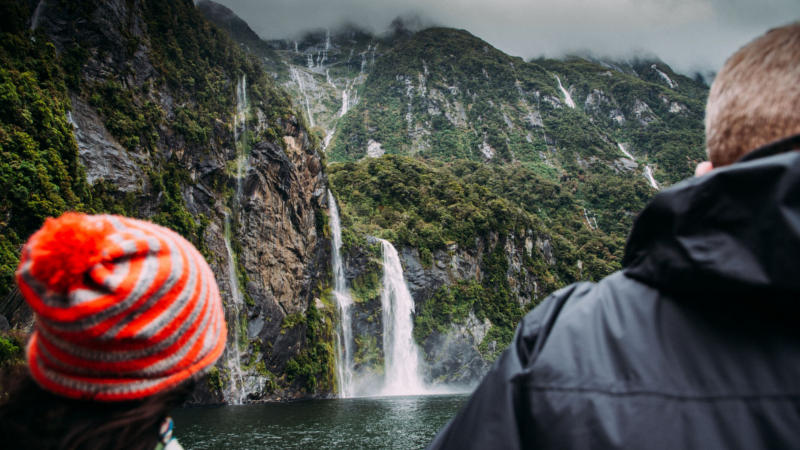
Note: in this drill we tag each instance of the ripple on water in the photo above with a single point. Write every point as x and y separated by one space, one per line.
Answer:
383 422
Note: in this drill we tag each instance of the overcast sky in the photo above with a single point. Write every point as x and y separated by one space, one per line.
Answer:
690 35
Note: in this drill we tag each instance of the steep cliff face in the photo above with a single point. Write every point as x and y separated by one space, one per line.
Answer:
462 351
174 123
458 335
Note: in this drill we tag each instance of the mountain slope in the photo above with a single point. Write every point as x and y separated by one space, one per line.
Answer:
148 110
446 94
499 180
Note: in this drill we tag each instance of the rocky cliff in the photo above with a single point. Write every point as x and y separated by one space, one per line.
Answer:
172 122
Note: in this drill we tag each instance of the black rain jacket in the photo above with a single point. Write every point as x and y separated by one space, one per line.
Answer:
694 344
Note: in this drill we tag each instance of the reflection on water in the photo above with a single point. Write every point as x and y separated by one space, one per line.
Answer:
386 422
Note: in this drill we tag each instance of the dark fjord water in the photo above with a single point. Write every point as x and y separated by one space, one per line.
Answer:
381 422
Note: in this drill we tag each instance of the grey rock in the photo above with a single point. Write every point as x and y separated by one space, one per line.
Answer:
100 153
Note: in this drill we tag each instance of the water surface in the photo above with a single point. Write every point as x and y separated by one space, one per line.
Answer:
383 422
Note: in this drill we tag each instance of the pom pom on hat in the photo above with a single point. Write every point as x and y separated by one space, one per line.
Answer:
64 249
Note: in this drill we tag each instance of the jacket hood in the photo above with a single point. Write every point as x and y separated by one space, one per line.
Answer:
734 231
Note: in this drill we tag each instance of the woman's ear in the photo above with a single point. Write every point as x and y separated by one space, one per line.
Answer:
703 168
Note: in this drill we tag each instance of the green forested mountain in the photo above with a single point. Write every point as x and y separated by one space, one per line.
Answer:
446 94
147 109
498 180
534 168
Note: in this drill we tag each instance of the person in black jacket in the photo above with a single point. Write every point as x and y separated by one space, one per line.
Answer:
695 343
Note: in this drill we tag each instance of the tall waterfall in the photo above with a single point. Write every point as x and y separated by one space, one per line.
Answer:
401 355
344 329
297 77
240 135
234 391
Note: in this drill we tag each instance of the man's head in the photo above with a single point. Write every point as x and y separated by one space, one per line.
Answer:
755 98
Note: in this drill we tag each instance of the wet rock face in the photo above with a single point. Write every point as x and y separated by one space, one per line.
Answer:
454 357
451 357
103 158
277 232
280 255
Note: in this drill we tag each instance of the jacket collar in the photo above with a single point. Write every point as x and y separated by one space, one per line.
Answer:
733 231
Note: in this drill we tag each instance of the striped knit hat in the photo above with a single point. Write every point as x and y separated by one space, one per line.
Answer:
124 308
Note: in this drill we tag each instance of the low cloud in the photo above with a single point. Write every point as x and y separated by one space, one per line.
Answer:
690 35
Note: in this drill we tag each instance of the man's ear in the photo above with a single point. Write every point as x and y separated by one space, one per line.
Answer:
703 168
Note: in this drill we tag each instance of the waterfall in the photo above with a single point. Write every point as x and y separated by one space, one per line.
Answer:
328 78
344 329
664 76
567 97
297 77
327 39
233 392
364 59
328 138
625 152
36 13
344 103
648 173
240 135
401 355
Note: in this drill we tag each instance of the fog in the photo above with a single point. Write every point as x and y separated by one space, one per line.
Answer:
690 35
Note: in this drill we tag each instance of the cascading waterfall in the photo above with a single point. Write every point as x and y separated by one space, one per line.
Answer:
401 355
345 101
625 152
328 138
234 390
648 173
344 329
567 97
328 78
36 13
240 135
297 77
364 59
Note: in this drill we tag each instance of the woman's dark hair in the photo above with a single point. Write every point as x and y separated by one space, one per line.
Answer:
34 418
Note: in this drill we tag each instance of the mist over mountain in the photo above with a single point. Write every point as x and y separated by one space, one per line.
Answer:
690 35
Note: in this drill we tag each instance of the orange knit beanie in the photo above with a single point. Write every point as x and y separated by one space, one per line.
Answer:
124 308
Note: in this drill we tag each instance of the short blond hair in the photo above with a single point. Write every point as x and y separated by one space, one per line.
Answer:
755 98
